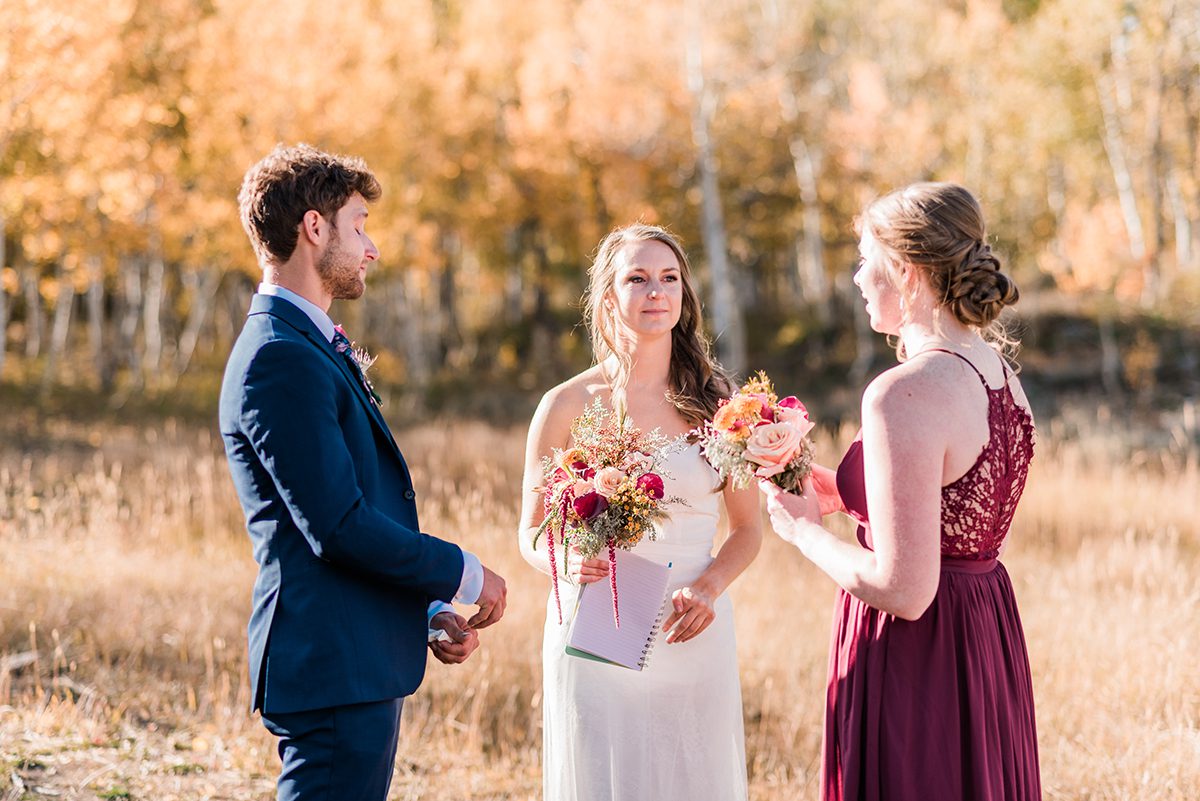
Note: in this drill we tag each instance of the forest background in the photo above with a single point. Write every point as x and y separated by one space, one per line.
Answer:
509 138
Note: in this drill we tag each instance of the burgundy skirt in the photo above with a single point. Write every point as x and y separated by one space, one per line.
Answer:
936 708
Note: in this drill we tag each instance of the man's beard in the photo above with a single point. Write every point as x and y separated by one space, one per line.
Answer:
338 271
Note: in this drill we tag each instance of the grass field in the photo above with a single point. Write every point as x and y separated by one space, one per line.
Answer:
125 577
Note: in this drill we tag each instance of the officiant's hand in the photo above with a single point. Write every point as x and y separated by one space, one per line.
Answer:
585 571
824 481
692 611
466 640
792 516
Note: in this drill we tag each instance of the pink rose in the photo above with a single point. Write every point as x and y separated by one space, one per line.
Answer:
581 487
791 402
590 506
607 480
796 417
652 485
772 446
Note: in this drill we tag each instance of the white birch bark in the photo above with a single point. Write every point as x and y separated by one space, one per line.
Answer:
203 284
33 315
60 329
727 318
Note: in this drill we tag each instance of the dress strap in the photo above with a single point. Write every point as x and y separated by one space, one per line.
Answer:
969 364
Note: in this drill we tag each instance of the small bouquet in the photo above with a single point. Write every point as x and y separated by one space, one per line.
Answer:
606 492
756 435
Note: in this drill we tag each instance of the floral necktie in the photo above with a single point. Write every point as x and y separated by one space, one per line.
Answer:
343 345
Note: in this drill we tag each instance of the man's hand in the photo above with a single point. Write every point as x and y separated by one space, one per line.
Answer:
491 601
465 640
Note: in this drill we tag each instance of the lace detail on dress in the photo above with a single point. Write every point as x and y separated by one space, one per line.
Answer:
978 509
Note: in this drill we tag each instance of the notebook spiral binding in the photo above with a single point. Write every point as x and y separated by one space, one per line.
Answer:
648 649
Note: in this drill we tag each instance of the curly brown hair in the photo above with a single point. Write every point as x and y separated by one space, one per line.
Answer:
290 181
938 228
697 381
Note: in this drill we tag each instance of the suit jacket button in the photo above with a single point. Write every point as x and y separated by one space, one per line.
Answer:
409 495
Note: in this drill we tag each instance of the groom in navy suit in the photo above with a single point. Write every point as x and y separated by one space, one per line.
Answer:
349 589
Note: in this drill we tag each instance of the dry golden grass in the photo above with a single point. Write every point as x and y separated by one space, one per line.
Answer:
125 578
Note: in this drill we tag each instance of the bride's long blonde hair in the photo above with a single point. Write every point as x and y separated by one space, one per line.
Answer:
697 381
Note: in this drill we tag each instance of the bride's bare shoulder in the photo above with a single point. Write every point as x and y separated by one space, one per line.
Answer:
563 403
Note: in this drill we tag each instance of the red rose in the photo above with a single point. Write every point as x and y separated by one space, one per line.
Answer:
652 485
590 506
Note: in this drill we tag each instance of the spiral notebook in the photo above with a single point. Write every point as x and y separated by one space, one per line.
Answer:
642 594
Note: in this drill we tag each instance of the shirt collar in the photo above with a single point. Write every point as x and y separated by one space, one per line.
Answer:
315 313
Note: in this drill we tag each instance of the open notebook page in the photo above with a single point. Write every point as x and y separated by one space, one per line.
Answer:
641 592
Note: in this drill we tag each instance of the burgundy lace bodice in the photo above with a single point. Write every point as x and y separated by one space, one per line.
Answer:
978 508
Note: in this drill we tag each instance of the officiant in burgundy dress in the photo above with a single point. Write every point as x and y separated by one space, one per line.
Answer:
930 695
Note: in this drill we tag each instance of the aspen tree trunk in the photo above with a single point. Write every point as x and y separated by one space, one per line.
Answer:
814 283
407 310
864 344
1114 93
3 296
102 358
203 284
33 315
152 306
1183 224
1155 286
131 307
61 327
449 332
727 318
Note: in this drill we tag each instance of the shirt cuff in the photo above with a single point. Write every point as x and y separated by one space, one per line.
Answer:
436 608
472 580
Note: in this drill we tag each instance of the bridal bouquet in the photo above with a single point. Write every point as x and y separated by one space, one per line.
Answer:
604 493
755 434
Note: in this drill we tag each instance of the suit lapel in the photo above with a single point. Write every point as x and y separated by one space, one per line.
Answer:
289 313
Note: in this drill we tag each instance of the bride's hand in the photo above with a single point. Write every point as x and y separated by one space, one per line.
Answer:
692 612
792 516
585 571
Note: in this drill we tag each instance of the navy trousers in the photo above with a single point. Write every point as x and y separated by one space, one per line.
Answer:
342 753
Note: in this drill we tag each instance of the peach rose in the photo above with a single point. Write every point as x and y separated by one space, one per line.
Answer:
797 418
607 480
581 487
772 446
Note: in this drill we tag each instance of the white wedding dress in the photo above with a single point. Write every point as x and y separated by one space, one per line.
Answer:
672 731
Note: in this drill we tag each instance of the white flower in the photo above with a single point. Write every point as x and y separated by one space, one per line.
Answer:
637 463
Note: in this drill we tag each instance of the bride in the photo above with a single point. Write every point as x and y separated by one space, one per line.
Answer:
674 729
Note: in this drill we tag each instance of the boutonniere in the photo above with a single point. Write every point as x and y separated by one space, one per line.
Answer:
362 361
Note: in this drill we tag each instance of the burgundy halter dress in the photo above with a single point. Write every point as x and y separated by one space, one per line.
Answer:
940 707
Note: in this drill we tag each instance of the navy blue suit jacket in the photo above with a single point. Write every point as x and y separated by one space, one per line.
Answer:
345 575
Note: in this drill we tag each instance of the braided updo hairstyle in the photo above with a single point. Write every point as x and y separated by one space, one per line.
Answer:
939 229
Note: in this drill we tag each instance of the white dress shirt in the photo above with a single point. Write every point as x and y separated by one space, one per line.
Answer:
471 584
